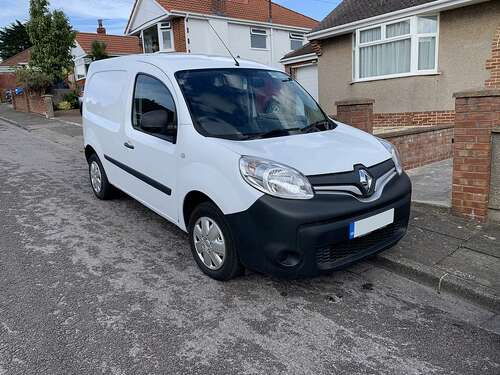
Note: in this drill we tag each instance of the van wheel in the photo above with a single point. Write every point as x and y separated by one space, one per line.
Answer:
212 244
98 179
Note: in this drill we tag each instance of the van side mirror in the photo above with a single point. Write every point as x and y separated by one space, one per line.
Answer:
154 121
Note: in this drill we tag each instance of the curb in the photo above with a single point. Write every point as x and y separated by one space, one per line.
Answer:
12 122
433 277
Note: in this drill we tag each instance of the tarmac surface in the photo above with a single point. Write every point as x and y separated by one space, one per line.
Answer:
91 287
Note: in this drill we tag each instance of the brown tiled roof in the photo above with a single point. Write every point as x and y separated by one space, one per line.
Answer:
115 44
254 10
21 58
355 10
306 50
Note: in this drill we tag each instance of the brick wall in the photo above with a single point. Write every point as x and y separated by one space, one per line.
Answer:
31 103
179 31
413 118
7 82
477 114
419 147
357 113
493 63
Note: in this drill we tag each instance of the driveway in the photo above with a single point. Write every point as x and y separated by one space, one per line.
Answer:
91 287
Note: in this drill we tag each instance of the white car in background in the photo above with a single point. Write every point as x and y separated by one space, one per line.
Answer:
243 159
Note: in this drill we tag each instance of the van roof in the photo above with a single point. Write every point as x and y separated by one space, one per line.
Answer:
174 62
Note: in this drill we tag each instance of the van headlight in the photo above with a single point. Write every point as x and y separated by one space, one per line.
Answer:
394 153
275 179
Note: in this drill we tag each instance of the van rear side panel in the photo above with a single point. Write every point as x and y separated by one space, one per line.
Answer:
104 115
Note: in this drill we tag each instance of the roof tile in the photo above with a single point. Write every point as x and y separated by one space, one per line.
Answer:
115 44
355 10
254 10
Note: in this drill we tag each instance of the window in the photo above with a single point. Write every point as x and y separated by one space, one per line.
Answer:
158 38
166 37
393 49
151 40
296 41
154 108
258 38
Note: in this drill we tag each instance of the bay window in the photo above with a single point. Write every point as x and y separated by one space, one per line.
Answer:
398 48
158 38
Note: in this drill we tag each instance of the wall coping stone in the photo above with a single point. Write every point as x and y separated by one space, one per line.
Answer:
480 93
354 101
415 130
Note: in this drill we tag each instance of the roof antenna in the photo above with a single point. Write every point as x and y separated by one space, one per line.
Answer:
224 44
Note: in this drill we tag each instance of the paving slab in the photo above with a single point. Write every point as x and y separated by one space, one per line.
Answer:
432 183
471 265
441 221
424 246
486 241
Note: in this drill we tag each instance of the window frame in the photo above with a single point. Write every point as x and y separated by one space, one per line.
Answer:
176 119
257 31
414 37
161 29
296 36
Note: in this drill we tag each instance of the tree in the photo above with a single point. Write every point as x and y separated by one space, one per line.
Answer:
52 37
98 50
13 39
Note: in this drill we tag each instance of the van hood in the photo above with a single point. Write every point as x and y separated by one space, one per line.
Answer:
332 151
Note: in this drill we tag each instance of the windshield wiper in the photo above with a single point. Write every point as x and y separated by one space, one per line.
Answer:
272 133
314 125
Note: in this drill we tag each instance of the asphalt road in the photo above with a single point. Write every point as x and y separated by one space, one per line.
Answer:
91 287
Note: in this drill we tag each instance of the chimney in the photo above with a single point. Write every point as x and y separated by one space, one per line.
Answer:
219 7
100 28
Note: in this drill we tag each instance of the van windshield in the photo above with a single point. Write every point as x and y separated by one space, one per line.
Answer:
242 104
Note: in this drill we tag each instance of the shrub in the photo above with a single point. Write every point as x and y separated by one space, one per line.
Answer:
33 79
72 98
64 106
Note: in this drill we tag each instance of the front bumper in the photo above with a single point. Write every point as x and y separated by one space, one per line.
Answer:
303 238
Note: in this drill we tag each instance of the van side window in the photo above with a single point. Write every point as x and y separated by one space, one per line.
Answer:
154 108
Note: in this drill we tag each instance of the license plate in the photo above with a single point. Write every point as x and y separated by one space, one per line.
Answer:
362 227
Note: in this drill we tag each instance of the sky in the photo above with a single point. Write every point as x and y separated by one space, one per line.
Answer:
83 14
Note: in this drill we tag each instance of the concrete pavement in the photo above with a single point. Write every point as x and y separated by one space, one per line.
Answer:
110 287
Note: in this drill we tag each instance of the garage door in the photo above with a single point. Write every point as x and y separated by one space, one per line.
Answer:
307 76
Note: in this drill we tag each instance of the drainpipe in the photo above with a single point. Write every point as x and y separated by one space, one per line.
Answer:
186 32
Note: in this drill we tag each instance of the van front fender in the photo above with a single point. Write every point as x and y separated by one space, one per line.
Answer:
228 191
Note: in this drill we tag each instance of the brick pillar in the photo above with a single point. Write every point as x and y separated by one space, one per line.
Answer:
477 113
357 113
179 31
49 105
13 96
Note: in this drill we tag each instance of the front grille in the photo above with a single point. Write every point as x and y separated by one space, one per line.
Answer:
358 246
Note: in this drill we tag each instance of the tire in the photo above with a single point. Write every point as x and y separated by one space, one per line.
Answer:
104 190
206 244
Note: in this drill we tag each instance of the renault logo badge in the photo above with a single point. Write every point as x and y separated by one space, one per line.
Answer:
366 181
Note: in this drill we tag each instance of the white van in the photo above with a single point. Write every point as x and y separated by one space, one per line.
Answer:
245 161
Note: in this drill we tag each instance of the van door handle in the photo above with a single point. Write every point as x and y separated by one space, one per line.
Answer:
128 145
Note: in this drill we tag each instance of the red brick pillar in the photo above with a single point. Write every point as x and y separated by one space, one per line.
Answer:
477 113
357 113
13 96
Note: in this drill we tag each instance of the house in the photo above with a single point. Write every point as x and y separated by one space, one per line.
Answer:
116 45
302 64
258 30
8 67
408 56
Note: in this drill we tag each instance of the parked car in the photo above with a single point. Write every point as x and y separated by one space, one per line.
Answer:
245 161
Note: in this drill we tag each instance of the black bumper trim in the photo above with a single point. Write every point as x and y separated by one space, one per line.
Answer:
273 227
